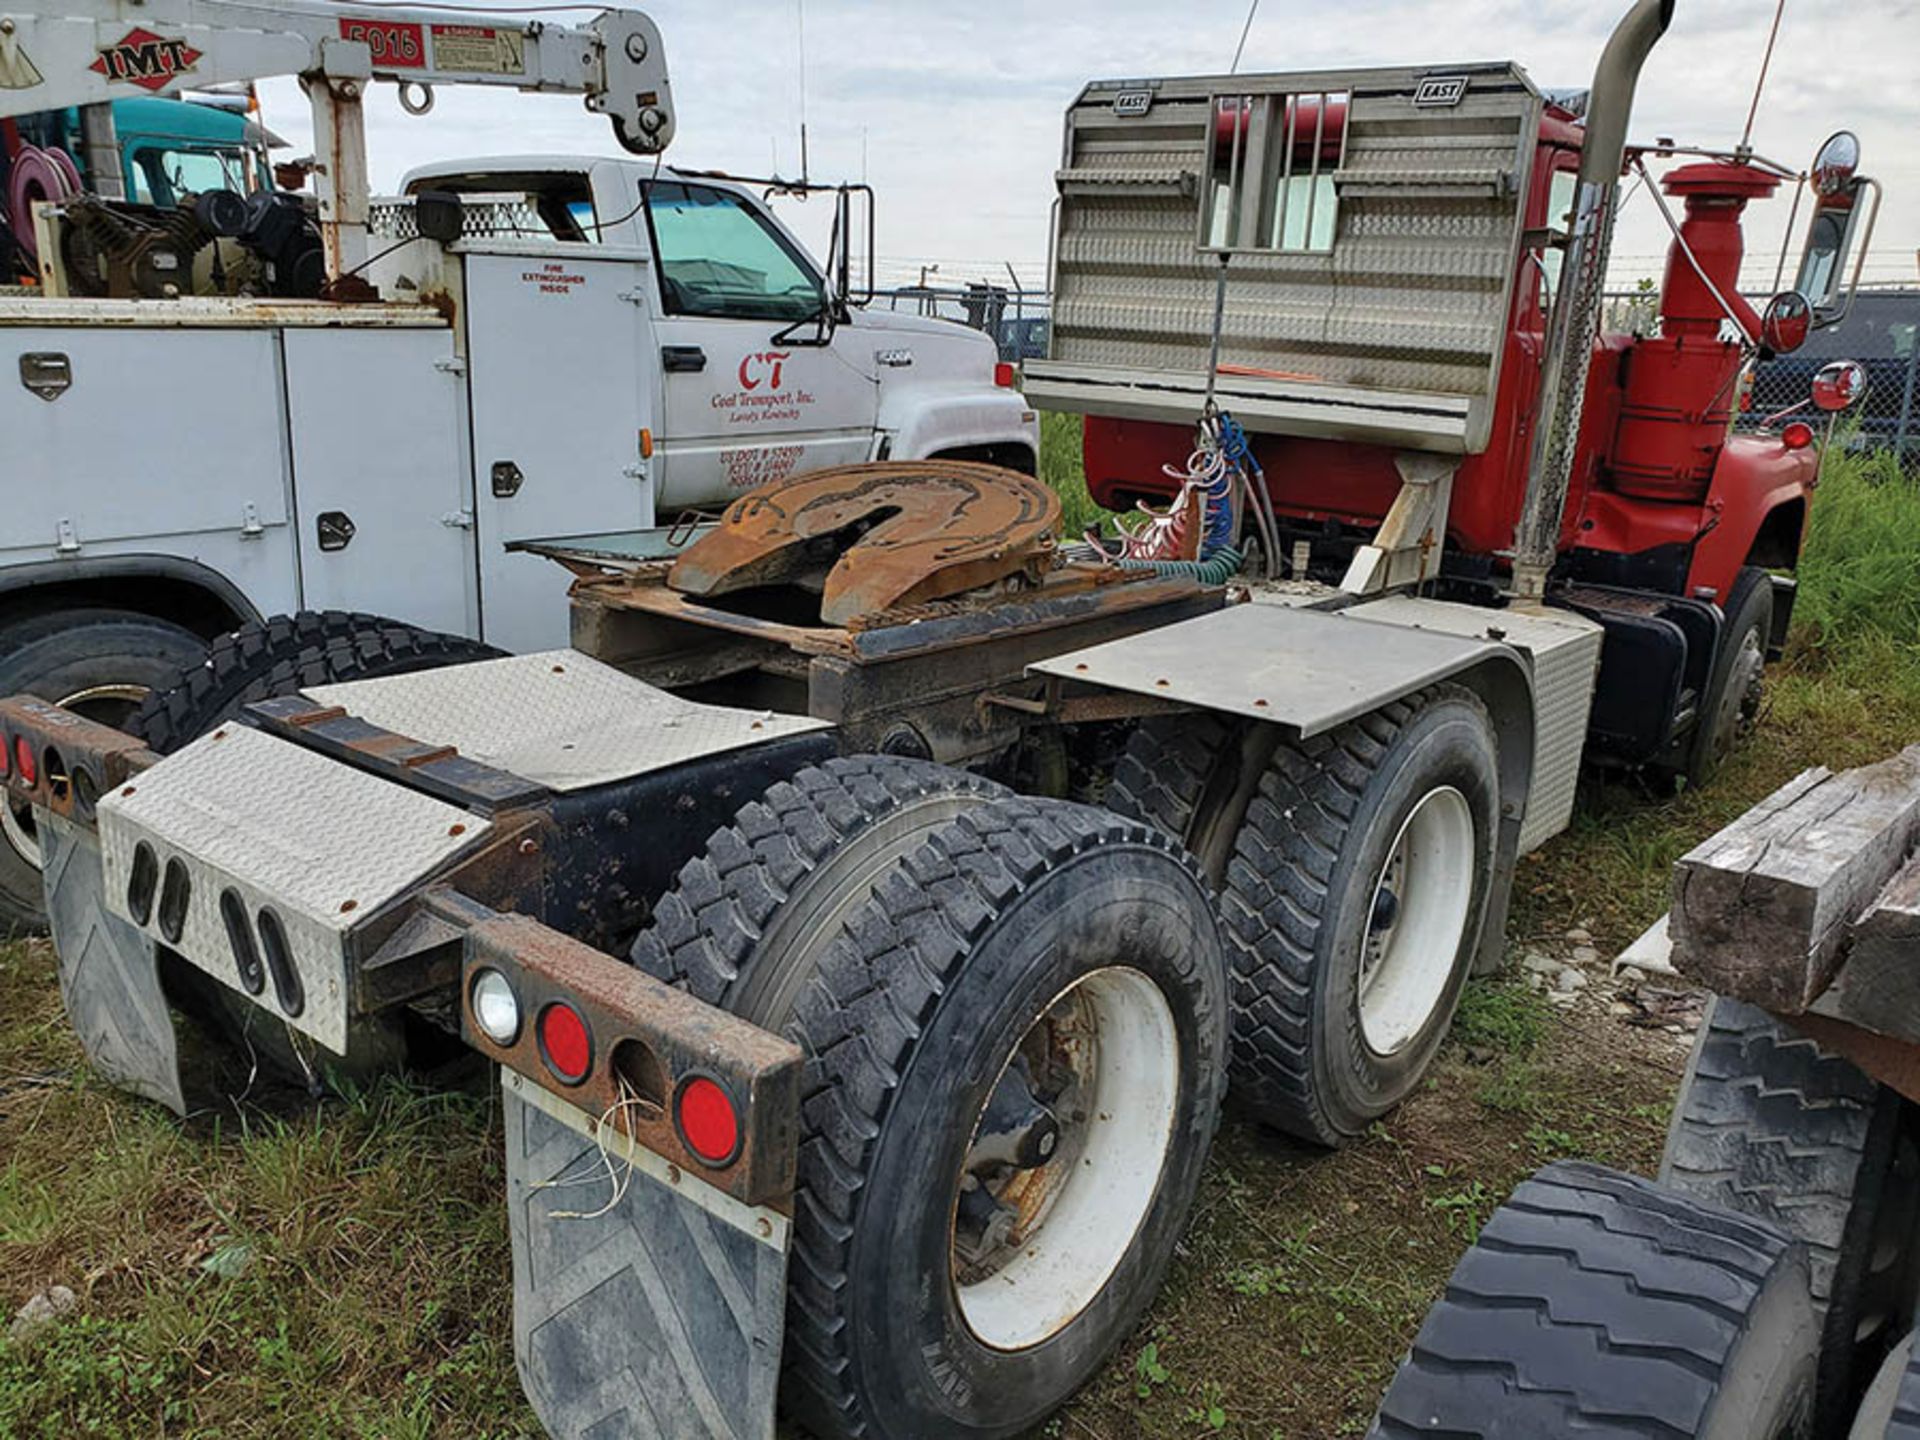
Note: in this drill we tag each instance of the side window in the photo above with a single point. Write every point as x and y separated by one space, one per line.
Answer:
718 257
1559 217
165 176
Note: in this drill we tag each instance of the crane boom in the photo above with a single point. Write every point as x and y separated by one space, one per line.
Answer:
88 52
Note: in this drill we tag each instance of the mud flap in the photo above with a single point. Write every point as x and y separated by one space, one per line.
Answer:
660 1319
108 976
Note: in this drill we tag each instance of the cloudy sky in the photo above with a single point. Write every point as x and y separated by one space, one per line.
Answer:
954 112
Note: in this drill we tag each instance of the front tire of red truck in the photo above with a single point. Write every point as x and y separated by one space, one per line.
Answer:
1730 706
1015 1056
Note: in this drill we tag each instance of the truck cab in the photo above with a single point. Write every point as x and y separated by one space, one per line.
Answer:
1362 268
762 370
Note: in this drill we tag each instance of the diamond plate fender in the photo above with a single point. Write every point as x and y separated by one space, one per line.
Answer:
660 1319
108 977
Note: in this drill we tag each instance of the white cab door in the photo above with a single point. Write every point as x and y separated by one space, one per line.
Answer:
740 406
557 336
380 475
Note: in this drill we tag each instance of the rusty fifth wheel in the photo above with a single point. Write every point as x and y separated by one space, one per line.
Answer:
1015 1048
872 537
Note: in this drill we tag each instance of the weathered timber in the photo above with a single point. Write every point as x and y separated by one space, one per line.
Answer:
1762 911
1878 986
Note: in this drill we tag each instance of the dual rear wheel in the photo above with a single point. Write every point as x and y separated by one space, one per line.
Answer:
1014 1017
1353 870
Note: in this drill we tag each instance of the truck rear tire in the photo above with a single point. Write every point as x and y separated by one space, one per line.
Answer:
284 654
1015 1052
1354 870
1596 1303
101 663
1890 1410
747 919
1770 1125
258 662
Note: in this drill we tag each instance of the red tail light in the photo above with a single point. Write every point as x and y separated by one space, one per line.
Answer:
1003 375
565 1043
23 760
1796 435
708 1122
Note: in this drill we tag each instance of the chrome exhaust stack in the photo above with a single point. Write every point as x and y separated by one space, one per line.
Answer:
1571 328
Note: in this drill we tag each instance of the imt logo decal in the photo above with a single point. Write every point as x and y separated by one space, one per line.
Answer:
143 58
763 369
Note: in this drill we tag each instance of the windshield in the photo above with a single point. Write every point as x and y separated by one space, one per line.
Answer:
720 257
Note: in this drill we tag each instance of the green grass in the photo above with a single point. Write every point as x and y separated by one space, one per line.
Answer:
1061 467
273 1270
1859 605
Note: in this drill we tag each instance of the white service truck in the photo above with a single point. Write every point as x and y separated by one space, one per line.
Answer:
596 345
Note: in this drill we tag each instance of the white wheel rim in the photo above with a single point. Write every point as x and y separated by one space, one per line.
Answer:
16 818
1088 1202
1417 919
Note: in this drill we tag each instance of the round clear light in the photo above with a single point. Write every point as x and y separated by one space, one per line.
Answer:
496 1009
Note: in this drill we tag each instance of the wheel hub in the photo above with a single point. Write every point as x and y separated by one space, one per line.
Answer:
1065 1158
1417 920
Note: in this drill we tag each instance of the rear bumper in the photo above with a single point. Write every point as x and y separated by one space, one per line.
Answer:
649 1278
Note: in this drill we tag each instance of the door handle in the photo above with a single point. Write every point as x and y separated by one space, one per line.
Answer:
682 359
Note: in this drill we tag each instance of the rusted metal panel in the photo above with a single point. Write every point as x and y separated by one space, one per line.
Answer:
920 530
648 1039
75 760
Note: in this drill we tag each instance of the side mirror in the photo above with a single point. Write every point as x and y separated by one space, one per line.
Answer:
1786 322
1835 164
1844 207
1839 385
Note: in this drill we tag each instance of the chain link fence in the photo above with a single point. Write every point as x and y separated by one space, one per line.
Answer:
1019 320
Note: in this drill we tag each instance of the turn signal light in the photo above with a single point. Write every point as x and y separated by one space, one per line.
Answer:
708 1122
1003 375
1796 435
565 1043
23 760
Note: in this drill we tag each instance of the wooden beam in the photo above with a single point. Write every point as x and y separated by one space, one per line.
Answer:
1762 911
1878 986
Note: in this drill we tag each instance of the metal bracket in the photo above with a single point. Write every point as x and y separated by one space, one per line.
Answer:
1406 549
65 541
450 365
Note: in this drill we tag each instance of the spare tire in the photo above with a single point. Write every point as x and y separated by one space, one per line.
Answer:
1770 1125
1596 1303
